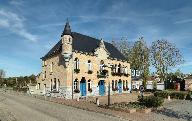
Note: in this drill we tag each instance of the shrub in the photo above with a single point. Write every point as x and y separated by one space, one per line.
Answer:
178 95
163 94
172 94
151 101
189 96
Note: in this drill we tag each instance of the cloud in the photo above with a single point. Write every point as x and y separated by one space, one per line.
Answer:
15 24
16 2
183 21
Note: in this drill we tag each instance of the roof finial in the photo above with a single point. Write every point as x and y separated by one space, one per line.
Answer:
102 43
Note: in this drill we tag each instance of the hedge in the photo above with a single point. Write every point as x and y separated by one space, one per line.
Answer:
172 94
151 101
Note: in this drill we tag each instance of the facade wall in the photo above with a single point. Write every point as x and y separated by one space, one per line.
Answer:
60 69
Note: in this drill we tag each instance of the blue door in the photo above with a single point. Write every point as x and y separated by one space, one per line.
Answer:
101 87
120 86
83 87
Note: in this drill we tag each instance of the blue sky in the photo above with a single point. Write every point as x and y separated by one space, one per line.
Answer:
29 28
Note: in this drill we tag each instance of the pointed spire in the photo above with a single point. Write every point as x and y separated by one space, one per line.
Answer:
67 29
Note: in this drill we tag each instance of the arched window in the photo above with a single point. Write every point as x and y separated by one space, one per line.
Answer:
76 63
89 65
75 86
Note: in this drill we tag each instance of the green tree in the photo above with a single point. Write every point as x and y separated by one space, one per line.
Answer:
164 55
2 76
139 58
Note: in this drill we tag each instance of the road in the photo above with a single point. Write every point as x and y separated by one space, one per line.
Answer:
24 108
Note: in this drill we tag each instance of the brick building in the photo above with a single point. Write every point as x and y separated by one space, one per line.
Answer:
79 65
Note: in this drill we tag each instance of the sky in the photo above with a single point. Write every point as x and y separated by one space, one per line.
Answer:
30 28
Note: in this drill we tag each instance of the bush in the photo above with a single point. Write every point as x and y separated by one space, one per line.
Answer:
189 96
163 94
178 95
151 101
172 94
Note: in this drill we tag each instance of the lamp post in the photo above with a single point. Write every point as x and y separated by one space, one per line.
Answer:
109 93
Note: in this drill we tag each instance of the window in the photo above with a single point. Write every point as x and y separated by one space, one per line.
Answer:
45 87
137 73
38 86
89 65
113 85
126 84
89 84
51 67
113 68
55 83
116 68
45 75
75 86
126 70
101 66
51 85
119 68
133 72
76 63
58 85
116 84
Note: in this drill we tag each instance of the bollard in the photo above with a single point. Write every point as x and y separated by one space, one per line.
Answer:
169 98
78 98
97 101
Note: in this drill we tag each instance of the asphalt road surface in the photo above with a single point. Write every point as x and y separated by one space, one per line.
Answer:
23 108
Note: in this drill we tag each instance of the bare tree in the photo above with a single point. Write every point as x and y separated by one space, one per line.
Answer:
124 47
164 55
137 54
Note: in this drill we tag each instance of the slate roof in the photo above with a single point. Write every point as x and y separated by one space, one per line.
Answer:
86 44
